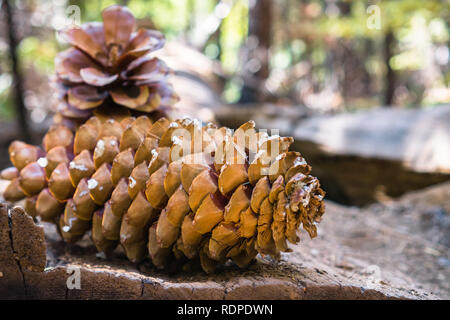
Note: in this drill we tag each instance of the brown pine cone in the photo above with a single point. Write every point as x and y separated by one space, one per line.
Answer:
176 191
110 67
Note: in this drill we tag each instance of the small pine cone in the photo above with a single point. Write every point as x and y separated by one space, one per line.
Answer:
176 191
110 67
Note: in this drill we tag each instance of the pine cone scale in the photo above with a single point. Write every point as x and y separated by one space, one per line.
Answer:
109 66
191 209
178 192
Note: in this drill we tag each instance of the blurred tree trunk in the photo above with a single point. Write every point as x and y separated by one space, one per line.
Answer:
390 82
256 66
215 37
17 87
191 6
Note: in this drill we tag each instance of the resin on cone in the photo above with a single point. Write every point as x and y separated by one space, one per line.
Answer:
176 192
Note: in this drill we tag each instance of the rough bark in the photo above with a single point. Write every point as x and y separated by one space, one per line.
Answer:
23 274
22 252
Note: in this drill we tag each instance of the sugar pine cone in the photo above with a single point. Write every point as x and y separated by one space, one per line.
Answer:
110 66
176 191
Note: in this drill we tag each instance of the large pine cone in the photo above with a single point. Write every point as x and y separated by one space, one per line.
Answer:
177 191
110 66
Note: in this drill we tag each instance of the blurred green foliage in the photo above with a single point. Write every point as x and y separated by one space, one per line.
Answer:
37 53
311 41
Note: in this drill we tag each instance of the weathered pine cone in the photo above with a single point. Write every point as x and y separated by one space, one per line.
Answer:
176 191
110 66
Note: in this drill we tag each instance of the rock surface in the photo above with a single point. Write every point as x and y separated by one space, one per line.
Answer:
360 156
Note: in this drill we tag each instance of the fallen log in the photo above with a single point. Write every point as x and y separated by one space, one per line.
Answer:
361 156
28 273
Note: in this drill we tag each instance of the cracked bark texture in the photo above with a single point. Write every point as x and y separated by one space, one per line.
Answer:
22 251
29 272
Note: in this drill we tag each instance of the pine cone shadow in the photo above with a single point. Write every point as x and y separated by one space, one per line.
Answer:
84 252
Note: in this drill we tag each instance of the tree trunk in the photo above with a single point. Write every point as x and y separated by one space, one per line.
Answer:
17 76
256 66
191 6
390 82
215 37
